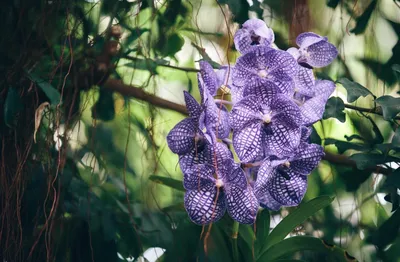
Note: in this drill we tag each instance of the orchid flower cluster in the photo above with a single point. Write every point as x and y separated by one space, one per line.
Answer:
275 99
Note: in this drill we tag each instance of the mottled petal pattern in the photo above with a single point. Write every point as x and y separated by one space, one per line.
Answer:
205 205
321 54
198 177
281 140
209 77
242 204
248 142
181 139
286 111
306 158
194 108
288 192
245 112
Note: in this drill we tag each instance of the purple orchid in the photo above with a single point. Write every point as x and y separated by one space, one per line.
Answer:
314 50
265 65
254 32
265 122
213 191
283 182
215 117
214 80
312 105
275 100
187 135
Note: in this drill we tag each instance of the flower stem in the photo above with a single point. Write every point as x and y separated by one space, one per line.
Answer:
235 233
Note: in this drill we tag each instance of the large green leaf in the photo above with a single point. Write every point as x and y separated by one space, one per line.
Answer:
343 146
354 90
262 229
303 243
387 232
334 108
366 160
298 216
390 106
52 94
167 181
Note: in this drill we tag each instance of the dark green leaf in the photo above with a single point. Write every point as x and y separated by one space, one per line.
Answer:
333 3
104 109
354 90
52 94
246 232
394 179
362 21
239 9
262 229
365 160
390 106
387 232
172 45
12 106
169 182
381 70
396 68
396 138
353 178
302 243
334 108
298 216
343 146
134 35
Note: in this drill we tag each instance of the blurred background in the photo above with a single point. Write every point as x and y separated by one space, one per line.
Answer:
89 189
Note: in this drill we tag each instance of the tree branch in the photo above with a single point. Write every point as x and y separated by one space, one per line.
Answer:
135 92
376 110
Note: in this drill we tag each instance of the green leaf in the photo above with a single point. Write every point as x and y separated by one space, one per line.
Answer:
387 232
343 146
333 3
396 68
134 35
173 44
169 182
365 160
298 216
362 21
47 88
390 106
262 229
394 179
12 106
303 243
353 178
334 108
246 232
396 138
52 94
354 90
104 109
